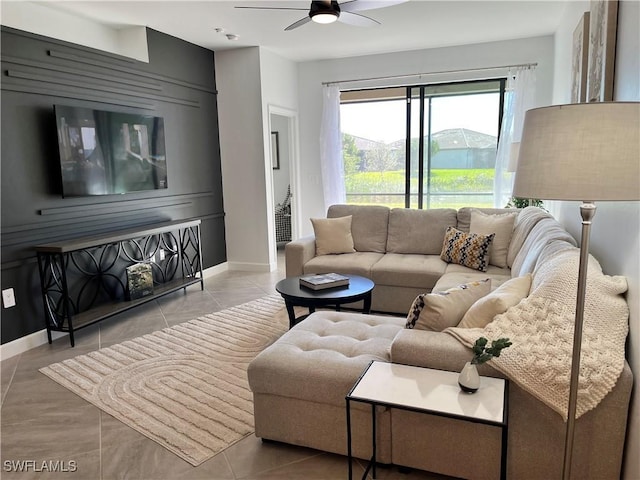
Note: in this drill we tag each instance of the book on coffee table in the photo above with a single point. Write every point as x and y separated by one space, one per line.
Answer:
324 280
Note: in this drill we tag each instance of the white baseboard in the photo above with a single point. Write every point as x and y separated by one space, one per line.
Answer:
22 344
215 270
251 267
33 340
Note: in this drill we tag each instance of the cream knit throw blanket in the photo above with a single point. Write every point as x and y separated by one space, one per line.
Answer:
541 328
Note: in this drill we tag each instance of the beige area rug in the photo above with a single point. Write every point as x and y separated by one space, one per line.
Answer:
186 386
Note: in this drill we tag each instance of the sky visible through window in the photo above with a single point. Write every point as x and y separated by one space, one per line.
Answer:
385 121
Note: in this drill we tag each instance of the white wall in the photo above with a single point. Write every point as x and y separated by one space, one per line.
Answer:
615 233
280 93
243 155
45 20
312 74
249 80
563 50
617 242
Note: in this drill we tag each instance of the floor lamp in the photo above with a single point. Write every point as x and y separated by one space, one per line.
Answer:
585 152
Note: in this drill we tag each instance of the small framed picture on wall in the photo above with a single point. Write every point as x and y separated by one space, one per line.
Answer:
275 151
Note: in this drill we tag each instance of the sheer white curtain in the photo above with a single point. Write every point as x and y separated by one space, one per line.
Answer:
331 147
519 97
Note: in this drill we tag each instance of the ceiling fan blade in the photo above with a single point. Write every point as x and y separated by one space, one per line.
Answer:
297 24
357 20
361 5
276 8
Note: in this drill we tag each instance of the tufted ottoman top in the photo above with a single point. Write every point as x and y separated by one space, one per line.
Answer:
321 358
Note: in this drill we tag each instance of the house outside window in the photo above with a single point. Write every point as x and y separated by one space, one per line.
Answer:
386 163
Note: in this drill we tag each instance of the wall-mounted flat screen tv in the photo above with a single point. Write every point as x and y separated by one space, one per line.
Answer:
107 153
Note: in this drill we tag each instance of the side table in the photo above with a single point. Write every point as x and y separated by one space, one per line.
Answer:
428 391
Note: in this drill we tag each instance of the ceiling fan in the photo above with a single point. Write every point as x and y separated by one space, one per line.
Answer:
328 11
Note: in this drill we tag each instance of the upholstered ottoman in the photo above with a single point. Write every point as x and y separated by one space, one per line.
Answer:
300 382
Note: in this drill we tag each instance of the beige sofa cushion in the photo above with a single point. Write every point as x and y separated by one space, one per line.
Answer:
437 311
492 271
418 231
543 233
358 263
502 226
465 275
368 225
499 301
525 221
405 270
464 215
333 235
551 249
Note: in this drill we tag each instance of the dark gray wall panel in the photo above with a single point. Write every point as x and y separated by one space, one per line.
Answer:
177 84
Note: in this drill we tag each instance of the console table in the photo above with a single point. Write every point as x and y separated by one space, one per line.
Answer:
428 391
83 280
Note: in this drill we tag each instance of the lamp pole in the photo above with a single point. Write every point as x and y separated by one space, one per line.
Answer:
587 211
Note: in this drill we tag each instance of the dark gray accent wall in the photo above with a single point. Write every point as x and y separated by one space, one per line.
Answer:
177 84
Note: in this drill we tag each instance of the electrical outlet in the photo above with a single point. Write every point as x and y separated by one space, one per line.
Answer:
8 298
161 254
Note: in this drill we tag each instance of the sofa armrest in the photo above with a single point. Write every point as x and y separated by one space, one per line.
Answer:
297 253
437 350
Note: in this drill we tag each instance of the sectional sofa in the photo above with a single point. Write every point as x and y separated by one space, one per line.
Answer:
299 383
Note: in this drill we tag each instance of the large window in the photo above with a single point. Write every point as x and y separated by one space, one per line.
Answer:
431 146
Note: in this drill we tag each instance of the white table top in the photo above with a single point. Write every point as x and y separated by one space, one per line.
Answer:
430 390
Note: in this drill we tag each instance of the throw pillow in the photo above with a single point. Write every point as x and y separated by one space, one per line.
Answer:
333 235
439 310
468 249
502 226
481 313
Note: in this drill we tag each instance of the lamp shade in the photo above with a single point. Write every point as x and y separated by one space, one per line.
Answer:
583 151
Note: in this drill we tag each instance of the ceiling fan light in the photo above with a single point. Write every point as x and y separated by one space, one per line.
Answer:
323 11
324 18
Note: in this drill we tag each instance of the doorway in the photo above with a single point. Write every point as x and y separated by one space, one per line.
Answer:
283 148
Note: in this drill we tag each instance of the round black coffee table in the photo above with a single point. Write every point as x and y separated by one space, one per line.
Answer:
295 295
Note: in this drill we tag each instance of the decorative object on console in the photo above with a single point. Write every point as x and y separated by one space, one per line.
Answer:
469 380
324 280
333 235
439 310
584 152
468 249
139 281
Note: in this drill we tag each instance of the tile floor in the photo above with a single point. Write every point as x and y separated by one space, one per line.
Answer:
42 421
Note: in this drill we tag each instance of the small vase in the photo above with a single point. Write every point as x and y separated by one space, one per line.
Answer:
469 380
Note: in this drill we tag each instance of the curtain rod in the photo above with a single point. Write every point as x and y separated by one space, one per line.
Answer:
393 77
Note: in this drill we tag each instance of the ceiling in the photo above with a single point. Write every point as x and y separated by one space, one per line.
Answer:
416 24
